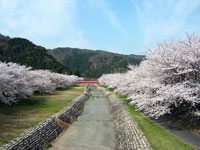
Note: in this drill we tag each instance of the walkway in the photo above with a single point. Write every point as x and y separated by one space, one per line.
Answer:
93 130
185 135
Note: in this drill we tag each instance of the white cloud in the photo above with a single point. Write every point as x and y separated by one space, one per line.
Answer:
53 23
101 4
161 19
76 40
41 21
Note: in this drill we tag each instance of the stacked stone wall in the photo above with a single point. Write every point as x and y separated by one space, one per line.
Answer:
47 131
127 133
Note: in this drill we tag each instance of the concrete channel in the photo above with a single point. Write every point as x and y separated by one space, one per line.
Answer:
93 130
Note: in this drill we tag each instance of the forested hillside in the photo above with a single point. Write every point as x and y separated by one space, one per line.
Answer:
92 64
81 62
24 52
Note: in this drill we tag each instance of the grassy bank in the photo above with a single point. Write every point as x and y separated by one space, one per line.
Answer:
157 137
19 117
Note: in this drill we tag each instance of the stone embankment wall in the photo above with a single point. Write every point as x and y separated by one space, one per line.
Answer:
48 130
127 133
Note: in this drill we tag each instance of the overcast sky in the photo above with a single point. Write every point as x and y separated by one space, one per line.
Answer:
122 26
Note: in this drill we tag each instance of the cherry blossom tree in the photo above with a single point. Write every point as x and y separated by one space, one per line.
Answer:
40 81
18 82
169 76
13 83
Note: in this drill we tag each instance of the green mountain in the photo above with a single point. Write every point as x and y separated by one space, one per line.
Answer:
91 63
24 52
82 62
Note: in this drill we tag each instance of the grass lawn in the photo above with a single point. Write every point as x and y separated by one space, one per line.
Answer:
157 137
19 117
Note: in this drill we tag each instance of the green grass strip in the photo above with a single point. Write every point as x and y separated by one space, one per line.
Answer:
159 138
17 118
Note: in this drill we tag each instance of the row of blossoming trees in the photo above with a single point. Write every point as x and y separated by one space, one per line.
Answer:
168 78
18 82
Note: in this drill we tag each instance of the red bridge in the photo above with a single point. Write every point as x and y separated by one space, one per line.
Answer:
88 82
